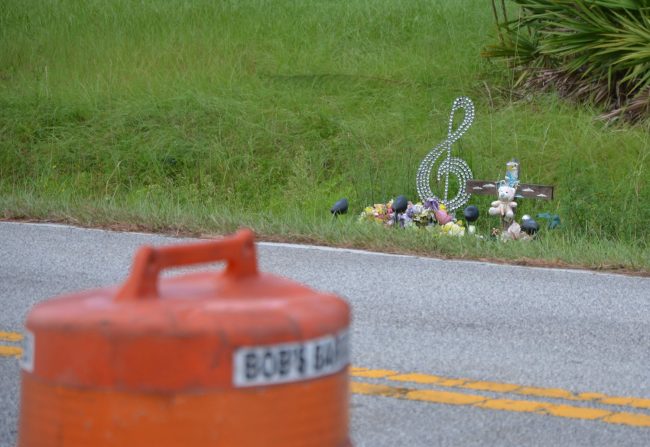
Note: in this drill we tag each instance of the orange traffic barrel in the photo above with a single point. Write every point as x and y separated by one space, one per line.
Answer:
228 358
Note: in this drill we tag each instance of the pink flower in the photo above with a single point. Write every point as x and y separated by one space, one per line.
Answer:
442 217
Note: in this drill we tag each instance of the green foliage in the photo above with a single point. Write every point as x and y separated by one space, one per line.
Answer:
594 50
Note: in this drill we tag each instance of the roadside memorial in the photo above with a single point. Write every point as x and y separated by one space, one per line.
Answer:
433 212
431 215
436 210
507 191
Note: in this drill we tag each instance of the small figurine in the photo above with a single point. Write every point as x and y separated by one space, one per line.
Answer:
512 173
504 207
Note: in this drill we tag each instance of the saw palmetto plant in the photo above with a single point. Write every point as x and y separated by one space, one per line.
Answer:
590 50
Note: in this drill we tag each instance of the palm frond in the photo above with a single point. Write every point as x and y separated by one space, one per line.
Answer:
590 50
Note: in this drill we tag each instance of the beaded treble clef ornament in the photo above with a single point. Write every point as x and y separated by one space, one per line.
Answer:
450 165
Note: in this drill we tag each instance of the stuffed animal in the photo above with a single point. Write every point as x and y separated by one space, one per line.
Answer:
504 206
515 233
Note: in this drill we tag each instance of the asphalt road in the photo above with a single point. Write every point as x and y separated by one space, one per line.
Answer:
524 342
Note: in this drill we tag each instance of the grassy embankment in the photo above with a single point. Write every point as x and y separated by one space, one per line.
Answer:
200 117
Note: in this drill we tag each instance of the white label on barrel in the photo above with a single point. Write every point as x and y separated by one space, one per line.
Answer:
27 358
291 362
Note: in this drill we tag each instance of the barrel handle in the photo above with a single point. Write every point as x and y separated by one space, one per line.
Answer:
238 251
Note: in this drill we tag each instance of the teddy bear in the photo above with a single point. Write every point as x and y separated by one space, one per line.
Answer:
504 206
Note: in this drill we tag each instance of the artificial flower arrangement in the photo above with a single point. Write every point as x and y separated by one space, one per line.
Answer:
431 215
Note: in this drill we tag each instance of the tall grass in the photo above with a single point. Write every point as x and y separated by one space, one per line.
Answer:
200 116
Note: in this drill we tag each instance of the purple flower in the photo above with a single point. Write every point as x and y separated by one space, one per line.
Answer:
432 204
403 219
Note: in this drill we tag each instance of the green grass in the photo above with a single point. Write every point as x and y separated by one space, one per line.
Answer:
201 117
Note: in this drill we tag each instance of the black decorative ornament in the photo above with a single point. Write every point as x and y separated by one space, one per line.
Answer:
471 213
400 204
530 226
340 207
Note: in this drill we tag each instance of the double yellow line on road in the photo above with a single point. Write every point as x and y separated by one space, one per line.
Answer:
498 403
10 351
498 387
517 398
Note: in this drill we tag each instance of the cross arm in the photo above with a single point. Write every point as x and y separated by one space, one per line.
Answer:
524 190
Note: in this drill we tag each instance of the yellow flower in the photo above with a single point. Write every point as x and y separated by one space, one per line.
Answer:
453 229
